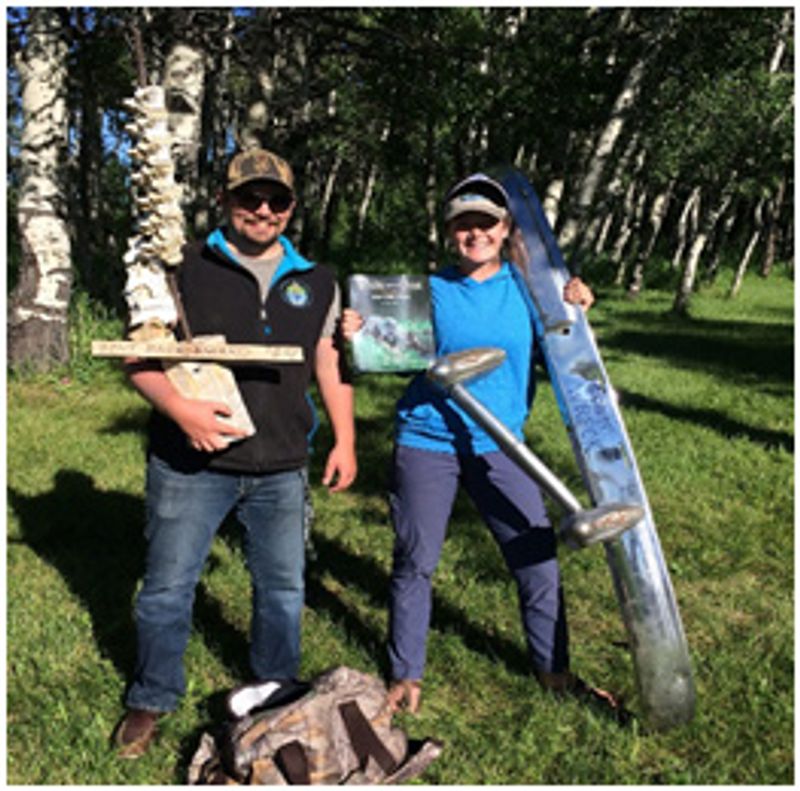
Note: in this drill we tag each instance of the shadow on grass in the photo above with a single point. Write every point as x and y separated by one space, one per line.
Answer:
357 571
132 422
733 349
711 419
366 575
94 539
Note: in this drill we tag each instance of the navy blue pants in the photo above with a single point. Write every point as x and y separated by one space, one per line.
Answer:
422 492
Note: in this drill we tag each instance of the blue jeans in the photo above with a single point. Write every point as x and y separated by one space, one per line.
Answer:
184 512
421 497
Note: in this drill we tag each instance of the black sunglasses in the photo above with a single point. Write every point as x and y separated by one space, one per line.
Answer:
250 199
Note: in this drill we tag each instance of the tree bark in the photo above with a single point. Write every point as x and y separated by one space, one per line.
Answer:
603 150
658 212
634 208
327 202
184 84
686 285
774 208
217 118
602 234
687 214
368 190
552 200
718 243
431 191
744 261
38 308
597 232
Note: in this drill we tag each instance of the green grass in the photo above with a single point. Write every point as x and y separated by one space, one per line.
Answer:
708 403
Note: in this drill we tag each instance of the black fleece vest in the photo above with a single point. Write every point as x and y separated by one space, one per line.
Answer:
222 298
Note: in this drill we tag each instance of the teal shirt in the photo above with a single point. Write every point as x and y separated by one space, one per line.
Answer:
467 314
292 261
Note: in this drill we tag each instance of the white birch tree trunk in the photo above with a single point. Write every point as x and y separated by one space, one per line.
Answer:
658 213
552 200
774 209
216 126
325 217
692 202
597 232
184 85
686 286
431 192
718 244
369 189
602 152
326 198
602 234
634 208
780 46
38 309
775 205
744 261
330 184
257 116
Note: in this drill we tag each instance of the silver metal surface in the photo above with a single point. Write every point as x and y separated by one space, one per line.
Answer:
603 450
518 451
580 528
466 365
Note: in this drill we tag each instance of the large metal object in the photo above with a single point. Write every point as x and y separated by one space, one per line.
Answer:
580 527
603 450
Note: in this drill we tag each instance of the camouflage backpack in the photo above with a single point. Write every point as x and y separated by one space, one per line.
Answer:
340 732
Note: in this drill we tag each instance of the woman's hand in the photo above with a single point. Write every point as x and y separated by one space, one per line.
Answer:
577 292
352 322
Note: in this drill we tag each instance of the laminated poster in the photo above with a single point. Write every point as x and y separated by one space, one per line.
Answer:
397 334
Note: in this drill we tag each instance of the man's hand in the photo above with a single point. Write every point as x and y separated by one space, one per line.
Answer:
337 396
577 292
340 470
200 422
197 419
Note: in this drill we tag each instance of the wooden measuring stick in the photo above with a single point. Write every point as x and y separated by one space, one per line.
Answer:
194 350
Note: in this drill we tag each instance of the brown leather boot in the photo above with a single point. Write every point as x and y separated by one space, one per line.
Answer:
135 732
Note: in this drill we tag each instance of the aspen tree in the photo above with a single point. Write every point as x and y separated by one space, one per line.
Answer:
38 310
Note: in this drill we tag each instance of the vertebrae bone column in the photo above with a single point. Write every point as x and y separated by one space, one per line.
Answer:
156 245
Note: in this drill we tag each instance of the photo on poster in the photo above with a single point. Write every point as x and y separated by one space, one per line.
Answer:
397 334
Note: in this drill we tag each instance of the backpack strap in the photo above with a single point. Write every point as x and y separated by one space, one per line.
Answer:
291 759
365 741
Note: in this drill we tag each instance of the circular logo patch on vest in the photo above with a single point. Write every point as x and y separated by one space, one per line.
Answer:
296 294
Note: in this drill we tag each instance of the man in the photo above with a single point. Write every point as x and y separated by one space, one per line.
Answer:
248 283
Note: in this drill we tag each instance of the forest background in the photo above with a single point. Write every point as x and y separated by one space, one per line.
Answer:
647 131
661 141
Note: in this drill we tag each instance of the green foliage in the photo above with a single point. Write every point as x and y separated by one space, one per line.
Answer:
717 109
708 404
101 273
89 321
417 97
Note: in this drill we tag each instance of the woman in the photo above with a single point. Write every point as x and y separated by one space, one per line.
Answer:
480 301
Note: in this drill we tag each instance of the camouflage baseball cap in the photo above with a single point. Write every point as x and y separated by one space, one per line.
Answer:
256 164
